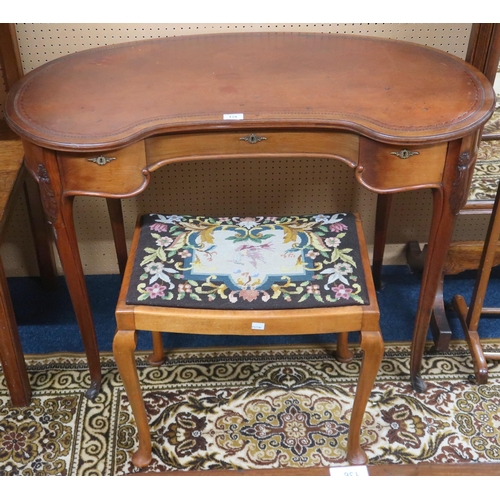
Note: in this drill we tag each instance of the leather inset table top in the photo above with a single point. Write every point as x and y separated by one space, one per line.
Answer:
387 90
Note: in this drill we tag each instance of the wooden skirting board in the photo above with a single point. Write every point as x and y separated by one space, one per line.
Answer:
422 469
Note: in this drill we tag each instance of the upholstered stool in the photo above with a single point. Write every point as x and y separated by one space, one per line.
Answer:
248 276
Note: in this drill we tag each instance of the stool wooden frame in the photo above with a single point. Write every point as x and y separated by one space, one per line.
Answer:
363 318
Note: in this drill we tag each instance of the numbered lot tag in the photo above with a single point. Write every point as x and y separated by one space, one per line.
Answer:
351 471
233 116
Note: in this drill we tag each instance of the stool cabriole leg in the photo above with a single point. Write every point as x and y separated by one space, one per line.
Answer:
372 346
124 345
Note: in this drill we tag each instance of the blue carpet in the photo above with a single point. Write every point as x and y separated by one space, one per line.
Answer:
47 323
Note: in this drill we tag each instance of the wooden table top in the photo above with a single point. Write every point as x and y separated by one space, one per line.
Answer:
391 91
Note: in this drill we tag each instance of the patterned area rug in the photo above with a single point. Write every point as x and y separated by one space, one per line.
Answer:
258 408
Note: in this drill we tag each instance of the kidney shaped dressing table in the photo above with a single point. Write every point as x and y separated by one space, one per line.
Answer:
99 122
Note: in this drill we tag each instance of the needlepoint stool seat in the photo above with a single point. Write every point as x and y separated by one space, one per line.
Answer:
292 275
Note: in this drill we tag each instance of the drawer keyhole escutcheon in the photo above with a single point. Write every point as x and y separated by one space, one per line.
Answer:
253 138
101 160
405 153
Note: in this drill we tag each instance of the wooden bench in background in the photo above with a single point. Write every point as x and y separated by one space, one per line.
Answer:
13 179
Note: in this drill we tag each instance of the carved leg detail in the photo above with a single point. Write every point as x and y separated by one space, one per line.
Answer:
373 352
124 345
157 357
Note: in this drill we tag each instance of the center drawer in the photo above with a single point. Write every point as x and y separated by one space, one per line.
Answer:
168 148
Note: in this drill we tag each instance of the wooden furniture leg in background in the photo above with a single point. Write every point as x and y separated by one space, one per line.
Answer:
13 176
469 317
446 205
42 235
384 202
483 52
118 228
440 328
11 352
12 71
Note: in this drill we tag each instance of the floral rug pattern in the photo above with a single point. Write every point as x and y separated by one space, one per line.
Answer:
248 262
257 408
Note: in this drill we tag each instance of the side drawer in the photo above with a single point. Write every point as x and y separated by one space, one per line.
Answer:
180 147
396 167
109 172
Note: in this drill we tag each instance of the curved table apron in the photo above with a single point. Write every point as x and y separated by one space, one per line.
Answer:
100 121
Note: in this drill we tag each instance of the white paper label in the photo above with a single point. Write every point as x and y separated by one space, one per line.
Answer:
350 471
233 116
258 326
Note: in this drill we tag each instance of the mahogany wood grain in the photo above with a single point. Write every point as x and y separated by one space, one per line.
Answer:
484 54
121 176
182 147
108 97
176 93
382 170
446 203
67 247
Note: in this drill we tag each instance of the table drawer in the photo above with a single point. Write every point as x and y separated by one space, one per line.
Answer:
110 172
396 167
165 148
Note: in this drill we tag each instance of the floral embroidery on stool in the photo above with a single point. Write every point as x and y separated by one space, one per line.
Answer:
248 262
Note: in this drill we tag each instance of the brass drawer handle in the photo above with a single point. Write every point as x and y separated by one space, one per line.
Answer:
253 139
101 160
404 153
